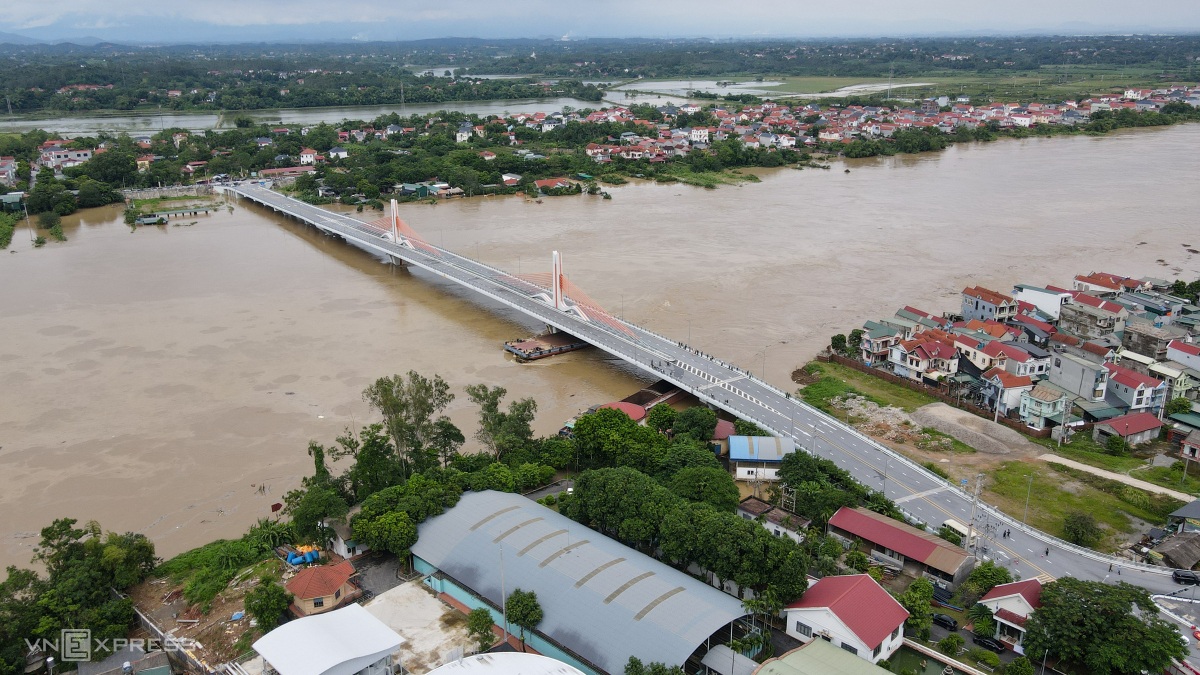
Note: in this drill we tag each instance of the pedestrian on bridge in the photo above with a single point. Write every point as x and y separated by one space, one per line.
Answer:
1047 552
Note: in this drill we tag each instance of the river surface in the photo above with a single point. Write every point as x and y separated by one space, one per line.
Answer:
142 122
167 381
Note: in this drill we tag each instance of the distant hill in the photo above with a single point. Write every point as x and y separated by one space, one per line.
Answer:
14 39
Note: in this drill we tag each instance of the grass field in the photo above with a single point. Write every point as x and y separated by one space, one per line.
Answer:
1050 501
1048 83
877 389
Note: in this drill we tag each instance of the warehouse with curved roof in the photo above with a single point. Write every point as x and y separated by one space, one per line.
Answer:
603 601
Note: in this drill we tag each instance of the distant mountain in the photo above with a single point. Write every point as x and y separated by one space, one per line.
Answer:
14 39
86 41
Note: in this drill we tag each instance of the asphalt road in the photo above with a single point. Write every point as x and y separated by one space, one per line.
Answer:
926 497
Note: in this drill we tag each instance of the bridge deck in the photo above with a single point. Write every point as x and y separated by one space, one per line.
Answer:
923 496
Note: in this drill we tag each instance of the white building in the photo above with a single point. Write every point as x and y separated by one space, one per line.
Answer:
1047 301
347 641
506 663
852 612
1012 605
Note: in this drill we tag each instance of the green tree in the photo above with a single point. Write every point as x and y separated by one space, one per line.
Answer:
744 428
854 342
479 627
951 644
1115 445
858 561
838 344
918 599
1078 619
661 417
411 407
698 422
1019 666
267 603
394 532
376 465
948 533
502 432
524 610
49 219
1178 406
1082 529
706 484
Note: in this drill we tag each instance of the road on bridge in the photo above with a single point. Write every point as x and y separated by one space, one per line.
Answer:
924 496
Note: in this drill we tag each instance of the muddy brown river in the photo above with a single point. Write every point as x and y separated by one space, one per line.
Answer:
167 381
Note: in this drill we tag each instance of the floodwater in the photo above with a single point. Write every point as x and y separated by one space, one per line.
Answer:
141 122
167 381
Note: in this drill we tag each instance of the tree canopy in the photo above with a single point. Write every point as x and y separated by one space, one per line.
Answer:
1106 629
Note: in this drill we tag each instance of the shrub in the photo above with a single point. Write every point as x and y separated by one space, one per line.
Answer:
990 659
950 644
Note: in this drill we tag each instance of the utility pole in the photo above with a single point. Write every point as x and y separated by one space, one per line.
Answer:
503 596
974 507
1063 431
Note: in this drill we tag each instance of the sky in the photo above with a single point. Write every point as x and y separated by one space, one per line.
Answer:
169 21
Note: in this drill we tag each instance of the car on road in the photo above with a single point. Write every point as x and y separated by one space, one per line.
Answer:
989 643
1185 577
946 621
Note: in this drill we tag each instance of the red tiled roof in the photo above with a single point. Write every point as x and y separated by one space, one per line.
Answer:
1030 589
318 582
987 295
1102 280
1127 425
633 410
1095 348
900 537
1037 323
870 612
1184 347
1011 617
1007 379
1124 376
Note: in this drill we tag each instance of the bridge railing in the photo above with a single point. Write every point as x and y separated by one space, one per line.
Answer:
393 248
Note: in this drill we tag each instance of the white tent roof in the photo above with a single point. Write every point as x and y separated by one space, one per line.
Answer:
506 663
341 642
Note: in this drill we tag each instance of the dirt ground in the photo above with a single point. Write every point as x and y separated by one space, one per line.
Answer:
433 633
979 433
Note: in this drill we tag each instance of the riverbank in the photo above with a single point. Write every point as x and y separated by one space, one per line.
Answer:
186 367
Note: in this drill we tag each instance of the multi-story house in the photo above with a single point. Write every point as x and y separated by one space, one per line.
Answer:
1133 391
929 356
1042 405
981 303
1002 390
877 342
1082 377
1048 302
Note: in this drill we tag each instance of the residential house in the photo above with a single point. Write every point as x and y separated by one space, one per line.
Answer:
308 156
510 179
464 133
1100 285
8 170
1082 377
1185 353
1003 390
1048 302
1025 359
338 152
1182 382
322 588
56 157
1134 428
1042 406
552 183
1012 605
1133 391
978 356
341 540
981 303
901 545
930 356
1147 339
1189 447
877 342
758 457
852 612
1089 317
777 521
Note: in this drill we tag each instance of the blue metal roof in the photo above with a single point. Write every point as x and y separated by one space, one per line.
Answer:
601 599
760 448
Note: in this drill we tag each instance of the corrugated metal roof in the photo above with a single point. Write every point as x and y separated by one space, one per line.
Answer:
900 537
601 599
760 448
340 642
